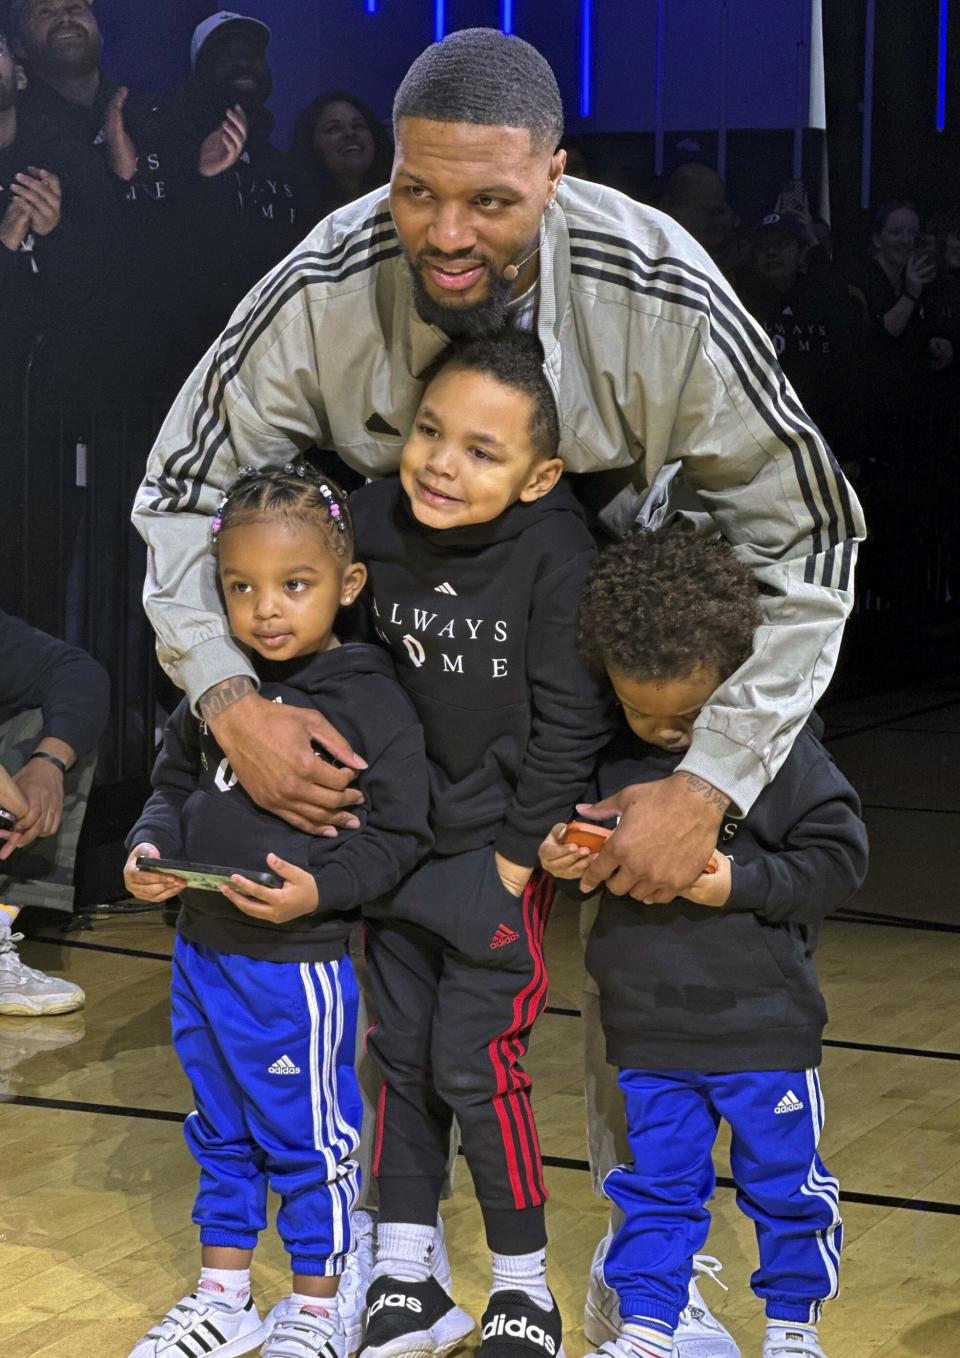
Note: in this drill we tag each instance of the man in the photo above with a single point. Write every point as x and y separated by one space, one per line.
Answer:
650 358
241 196
59 232
53 708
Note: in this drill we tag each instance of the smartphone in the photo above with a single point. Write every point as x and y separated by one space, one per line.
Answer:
7 819
205 876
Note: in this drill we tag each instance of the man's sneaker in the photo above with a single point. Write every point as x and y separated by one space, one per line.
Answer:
351 1298
298 1331
199 1324
783 1341
411 1320
698 1335
601 1312
23 990
514 1326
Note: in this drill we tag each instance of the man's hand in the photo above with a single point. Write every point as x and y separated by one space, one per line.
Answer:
298 896
123 153
39 191
15 224
221 149
41 786
711 888
512 875
269 748
667 832
149 886
563 860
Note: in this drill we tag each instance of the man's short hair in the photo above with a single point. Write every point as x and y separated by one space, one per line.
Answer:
483 76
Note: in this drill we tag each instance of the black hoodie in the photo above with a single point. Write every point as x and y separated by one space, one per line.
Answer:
481 623
693 987
199 812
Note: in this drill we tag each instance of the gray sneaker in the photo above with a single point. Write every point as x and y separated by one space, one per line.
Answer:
24 990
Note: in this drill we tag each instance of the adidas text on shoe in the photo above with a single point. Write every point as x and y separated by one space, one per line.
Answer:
283 1066
305 1331
197 1326
513 1325
503 936
411 1320
24 990
789 1103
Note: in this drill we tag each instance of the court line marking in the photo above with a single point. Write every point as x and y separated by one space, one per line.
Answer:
552 1161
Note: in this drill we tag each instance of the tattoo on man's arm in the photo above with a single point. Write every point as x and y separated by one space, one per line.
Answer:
710 794
216 700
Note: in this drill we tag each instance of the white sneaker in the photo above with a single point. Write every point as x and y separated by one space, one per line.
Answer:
412 1320
783 1341
200 1325
23 990
699 1334
297 1331
352 1296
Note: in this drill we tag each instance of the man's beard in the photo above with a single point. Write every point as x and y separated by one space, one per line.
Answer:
487 317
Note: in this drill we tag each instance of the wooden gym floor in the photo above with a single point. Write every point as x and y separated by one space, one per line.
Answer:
96 1183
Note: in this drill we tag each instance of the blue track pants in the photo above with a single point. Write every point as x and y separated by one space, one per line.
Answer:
672 1118
268 1048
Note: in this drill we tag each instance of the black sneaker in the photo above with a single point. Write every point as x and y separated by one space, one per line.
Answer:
411 1320
514 1326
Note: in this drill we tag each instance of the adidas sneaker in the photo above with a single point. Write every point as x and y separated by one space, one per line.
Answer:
201 1324
698 1335
298 1331
783 1341
514 1326
411 1320
23 989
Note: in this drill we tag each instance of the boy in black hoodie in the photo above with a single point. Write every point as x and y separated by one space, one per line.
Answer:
476 557
710 1004
264 996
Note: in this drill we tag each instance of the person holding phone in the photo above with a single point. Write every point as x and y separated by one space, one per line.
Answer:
264 997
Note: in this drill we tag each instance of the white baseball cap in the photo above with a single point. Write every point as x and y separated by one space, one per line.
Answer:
202 32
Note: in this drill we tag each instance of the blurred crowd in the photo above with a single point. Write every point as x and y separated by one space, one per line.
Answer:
131 224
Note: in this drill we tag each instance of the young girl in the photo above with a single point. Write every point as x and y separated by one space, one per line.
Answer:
264 997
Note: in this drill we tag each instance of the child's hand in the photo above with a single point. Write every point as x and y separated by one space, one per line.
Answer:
149 886
512 875
563 860
711 888
298 896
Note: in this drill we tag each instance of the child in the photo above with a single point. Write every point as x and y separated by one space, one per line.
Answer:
710 1005
264 999
476 558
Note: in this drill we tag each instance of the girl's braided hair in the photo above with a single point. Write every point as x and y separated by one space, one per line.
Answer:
297 492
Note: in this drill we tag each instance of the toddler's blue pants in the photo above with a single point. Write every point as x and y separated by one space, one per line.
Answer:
268 1048
775 1118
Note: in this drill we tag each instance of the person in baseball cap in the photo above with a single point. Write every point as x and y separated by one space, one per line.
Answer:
223 22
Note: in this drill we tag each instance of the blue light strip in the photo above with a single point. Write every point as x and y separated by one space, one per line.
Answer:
586 55
506 16
371 6
942 68
439 19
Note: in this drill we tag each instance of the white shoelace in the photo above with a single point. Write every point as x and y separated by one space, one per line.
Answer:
705 1263
7 949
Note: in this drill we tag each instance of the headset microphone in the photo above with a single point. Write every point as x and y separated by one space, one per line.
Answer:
512 271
